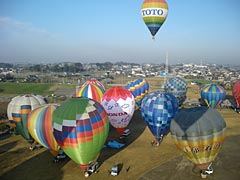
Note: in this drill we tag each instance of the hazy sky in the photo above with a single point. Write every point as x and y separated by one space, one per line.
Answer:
113 30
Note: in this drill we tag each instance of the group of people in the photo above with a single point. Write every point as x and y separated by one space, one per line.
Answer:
35 145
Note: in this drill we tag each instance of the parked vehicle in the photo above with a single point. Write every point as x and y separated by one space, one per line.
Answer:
125 133
92 168
115 170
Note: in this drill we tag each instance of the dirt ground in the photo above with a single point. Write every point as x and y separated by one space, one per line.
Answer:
138 160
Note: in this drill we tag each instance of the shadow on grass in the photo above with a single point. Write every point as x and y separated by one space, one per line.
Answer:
226 165
6 147
136 126
38 167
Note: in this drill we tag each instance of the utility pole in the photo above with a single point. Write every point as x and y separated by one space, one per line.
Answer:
166 69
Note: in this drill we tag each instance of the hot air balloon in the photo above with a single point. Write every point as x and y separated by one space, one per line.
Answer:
213 95
236 93
139 88
178 87
154 13
41 129
80 128
92 91
19 108
199 134
95 81
119 104
157 110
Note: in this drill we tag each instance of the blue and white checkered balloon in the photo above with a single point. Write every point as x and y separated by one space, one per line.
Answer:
157 110
178 87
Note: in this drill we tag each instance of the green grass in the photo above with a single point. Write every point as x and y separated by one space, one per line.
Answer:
203 81
24 88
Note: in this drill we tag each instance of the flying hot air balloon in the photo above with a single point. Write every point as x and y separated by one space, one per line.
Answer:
92 91
139 88
19 108
199 134
178 87
40 127
236 93
213 95
154 13
119 104
80 127
157 110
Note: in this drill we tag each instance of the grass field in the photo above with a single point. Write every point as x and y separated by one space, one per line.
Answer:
17 162
24 88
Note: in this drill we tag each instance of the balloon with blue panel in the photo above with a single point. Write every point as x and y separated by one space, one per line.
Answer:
154 13
80 127
92 91
40 127
178 87
199 133
213 95
157 110
139 88
19 108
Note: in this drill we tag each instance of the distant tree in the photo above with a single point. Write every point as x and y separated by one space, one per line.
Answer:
35 68
108 65
78 67
6 65
9 77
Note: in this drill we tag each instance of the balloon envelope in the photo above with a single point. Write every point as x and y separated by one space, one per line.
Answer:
236 93
92 91
213 95
119 104
95 81
139 88
19 108
154 13
157 110
199 134
81 127
178 87
40 126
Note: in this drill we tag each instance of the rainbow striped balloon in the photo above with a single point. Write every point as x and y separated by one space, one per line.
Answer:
94 81
154 13
40 126
81 128
92 91
213 95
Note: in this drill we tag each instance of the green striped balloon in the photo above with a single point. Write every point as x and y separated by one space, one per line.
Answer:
80 127
154 13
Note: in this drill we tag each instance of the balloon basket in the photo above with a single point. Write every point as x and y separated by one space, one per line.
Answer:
120 130
54 152
155 143
84 167
203 175
203 166
206 169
